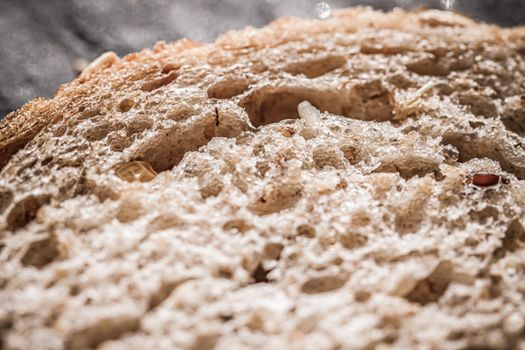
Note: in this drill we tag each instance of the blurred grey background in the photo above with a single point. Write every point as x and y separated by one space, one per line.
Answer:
44 43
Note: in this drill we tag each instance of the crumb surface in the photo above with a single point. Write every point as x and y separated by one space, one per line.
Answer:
353 183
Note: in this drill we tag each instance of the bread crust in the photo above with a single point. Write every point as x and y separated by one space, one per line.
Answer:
18 128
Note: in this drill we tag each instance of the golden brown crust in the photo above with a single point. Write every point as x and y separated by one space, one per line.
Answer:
21 126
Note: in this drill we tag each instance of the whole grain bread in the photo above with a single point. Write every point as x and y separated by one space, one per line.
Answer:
353 183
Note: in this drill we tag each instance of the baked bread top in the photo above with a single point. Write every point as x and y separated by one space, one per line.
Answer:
349 183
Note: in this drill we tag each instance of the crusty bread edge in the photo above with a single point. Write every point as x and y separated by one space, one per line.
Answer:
18 128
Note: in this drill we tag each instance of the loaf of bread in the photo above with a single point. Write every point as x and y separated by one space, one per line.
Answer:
352 183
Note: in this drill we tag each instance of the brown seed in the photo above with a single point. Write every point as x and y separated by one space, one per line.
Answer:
135 171
485 180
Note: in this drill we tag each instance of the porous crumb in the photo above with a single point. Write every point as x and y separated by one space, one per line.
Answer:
352 183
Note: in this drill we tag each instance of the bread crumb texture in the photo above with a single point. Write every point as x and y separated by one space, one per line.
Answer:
354 183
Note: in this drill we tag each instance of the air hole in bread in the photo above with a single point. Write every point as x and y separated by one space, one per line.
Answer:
94 333
515 123
306 231
328 156
223 271
429 65
131 208
88 114
323 284
432 288
125 105
514 239
170 67
96 132
239 225
260 274
514 117
377 47
6 198
228 88
138 124
277 197
164 221
484 215
272 250
118 141
165 289
24 211
410 167
316 67
168 148
478 104
471 147
353 240
211 186
207 341
41 252
369 100
411 209
159 82
350 153
271 105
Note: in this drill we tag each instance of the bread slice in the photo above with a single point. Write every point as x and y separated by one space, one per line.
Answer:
353 183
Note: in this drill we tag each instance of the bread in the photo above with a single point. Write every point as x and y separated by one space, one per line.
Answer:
353 183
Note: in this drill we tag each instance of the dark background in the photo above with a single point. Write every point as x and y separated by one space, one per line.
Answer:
43 43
